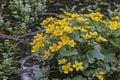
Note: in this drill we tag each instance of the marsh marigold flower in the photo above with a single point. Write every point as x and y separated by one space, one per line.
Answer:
75 15
62 61
116 18
64 38
33 42
87 27
58 32
67 68
76 28
61 16
35 48
72 43
67 13
54 47
97 16
46 54
100 75
37 42
100 39
87 36
78 65
83 30
61 43
48 20
81 19
94 33
68 29
49 28
114 25
39 37
104 21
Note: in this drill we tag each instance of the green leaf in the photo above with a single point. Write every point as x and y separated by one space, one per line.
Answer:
84 60
97 53
68 52
67 79
86 64
90 56
115 42
109 56
116 33
79 77
38 73
41 72
16 16
107 67
44 79
90 73
75 35
56 79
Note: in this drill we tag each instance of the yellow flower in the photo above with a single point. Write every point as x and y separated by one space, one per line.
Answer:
62 22
37 42
66 68
62 61
100 75
87 36
81 19
76 28
87 27
49 28
114 25
61 16
33 42
104 22
94 33
46 54
40 43
36 45
95 16
35 48
64 38
67 13
39 37
54 47
100 38
78 65
61 43
75 15
116 18
87 15
68 19
72 43
48 20
83 30
58 32
68 29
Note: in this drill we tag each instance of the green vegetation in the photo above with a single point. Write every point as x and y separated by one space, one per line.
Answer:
20 20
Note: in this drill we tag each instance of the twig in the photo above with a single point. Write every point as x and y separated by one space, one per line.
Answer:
20 38
48 14
29 34
2 36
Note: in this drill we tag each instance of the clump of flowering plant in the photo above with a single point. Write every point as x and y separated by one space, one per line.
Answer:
75 43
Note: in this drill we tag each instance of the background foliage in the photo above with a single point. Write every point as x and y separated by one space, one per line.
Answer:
20 17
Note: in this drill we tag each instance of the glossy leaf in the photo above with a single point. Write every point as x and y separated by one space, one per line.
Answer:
65 52
90 56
